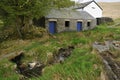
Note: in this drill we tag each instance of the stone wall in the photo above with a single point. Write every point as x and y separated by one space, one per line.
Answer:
60 24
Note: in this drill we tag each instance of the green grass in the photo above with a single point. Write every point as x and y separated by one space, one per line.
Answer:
6 71
1 24
79 66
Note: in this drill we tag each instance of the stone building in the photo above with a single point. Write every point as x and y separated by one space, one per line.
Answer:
68 20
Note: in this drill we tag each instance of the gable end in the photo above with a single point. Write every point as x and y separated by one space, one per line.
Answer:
83 5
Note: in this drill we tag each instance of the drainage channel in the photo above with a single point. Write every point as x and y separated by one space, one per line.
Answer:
111 67
35 69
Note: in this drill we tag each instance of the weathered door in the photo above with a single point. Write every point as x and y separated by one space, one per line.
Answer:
79 26
52 27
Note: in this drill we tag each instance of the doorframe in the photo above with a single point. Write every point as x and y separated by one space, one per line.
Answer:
55 26
81 21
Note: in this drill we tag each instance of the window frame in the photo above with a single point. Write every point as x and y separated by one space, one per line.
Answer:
67 24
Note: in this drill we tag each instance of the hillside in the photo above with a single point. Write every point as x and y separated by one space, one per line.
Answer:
83 63
111 9
85 55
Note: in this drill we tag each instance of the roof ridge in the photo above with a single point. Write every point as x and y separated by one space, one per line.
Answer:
82 5
69 14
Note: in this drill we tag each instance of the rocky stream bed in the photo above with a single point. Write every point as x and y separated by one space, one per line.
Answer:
112 67
35 68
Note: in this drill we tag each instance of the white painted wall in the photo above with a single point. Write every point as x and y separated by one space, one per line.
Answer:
93 10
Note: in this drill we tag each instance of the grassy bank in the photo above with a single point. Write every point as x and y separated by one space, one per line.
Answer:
83 64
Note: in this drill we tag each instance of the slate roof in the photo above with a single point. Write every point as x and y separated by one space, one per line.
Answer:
69 14
82 5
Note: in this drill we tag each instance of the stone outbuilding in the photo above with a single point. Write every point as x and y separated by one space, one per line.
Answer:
60 20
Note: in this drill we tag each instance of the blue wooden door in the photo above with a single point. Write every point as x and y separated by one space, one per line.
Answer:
52 27
79 26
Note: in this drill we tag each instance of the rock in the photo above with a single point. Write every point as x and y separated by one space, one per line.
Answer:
35 68
31 65
116 43
34 64
31 69
63 53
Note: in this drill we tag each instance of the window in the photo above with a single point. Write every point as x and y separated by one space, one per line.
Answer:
93 7
88 24
67 23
